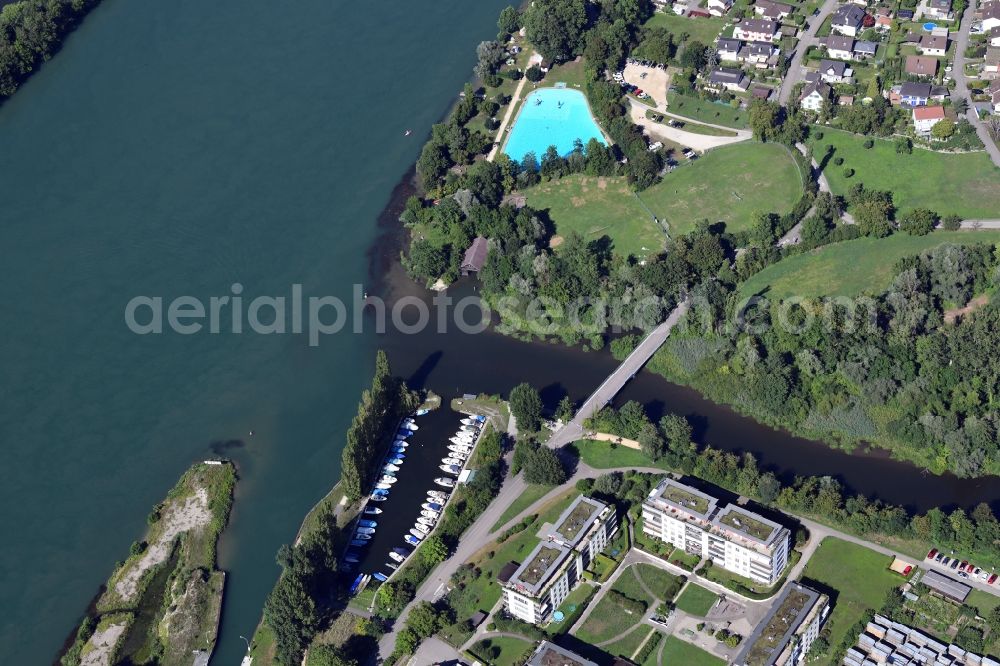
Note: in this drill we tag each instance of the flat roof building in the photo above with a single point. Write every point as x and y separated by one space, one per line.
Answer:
788 631
732 537
546 576
550 654
946 586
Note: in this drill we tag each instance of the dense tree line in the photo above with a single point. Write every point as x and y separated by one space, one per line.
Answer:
31 32
977 531
888 369
380 409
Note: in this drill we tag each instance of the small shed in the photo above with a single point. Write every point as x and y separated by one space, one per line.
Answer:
946 586
475 256
477 618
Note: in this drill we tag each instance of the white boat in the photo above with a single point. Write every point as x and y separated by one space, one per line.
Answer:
427 513
419 530
365 530
470 428
422 412
392 566
411 425
457 454
378 498
401 444
372 510
386 478
417 533
445 481
431 506
383 486
461 441
470 421
437 493
363 537
397 557
450 469
390 468
460 448
457 462
427 522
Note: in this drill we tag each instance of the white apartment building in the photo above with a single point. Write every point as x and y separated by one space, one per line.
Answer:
732 537
543 581
788 631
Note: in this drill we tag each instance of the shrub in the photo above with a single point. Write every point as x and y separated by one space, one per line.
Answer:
838 160
534 74
848 172
869 143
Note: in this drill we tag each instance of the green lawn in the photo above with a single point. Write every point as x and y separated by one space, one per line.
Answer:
696 600
730 184
571 73
594 207
850 268
984 602
627 646
531 494
705 110
860 576
628 585
511 650
609 619
703 30
663 584
676 651
964 184
572 608
605 455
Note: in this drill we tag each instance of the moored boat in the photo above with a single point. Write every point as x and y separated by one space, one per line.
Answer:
397 461
401 443
409 538
403 433
411 425
429 522
470 428
367 523
390 468
422 412
378 498
351 558
415 531
427 513
378 575
388 478
459 448
397 557
359 542
445 481
437 493
457 462
363 537
450 469
390 565
469 421
366 530
383 486
372 510
433 506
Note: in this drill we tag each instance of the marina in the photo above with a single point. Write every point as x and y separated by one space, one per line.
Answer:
411 492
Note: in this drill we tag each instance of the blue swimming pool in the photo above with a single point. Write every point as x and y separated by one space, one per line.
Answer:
929 26
551 117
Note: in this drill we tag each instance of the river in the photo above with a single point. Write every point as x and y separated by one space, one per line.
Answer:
176 149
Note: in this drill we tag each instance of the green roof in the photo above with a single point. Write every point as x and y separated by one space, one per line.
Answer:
783 619
683 498
539 565
576 520
747 524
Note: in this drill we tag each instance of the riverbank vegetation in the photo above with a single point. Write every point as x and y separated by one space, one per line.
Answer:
31 32
668 444
163 602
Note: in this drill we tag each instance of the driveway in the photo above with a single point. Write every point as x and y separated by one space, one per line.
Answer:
699 142
794 74
962 87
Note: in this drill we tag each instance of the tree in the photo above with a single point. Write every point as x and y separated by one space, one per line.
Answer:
509 22
433 163
424 619
765 119
918 222
565 409
694 56
534 74
556 27
328 655
651 442
526 406
433 551
427 261
544 467
490 55
951 222
943 129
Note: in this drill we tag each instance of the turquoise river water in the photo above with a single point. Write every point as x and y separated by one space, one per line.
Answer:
174 149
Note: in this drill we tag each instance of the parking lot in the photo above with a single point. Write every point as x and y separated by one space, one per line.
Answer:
652 80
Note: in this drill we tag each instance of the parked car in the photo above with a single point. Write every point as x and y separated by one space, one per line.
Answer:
962 565
983 575
962 574
939 557
931 554
953 565
972 568
992 579
946 561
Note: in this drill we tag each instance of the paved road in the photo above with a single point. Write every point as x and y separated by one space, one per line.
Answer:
961 83
794 74
699 142
610 387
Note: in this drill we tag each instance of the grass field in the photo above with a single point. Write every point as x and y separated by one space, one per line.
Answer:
860 576
730 184
964 184
610 619
850 268
626 646
703 30
510 650
984 602
663 584
603 455
531 494
706 111
571 73
594 207
696 600
572 608
676 651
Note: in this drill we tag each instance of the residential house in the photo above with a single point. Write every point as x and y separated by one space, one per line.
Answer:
728 49
475 256
910 94
905 14
757 30
789 629
864 50
921 66
840 48
883 19
727 78
733 538
550 654
775 11
544 579
848 20
835 71
930 45
719 7
759 54
926 117
994 38
939 10
991 63
761 92
989 14
994 92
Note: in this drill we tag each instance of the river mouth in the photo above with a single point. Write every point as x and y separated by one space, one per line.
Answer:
452 362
